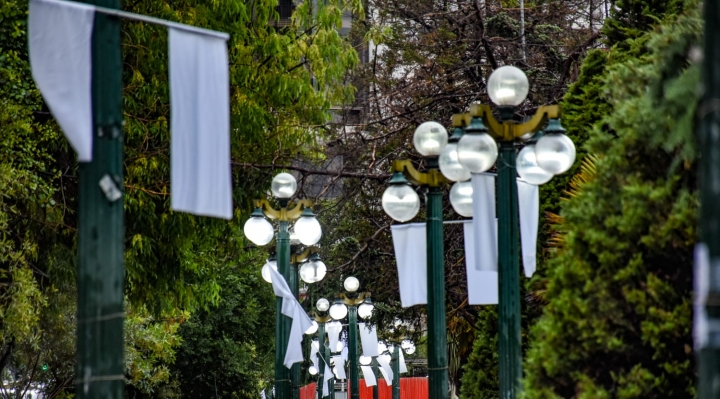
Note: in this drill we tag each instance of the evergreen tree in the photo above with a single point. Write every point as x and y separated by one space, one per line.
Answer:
618 314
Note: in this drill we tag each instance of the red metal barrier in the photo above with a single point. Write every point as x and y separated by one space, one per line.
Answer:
410 388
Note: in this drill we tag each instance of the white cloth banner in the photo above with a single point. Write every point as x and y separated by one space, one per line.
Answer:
291 308
484 223
401 359
344 353
60 39
333 330
339 367
200 181
327 376
313 356
529 212
368 339
370 380
482 284
410 243
385 369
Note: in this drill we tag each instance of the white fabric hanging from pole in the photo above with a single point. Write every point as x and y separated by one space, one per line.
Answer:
484 221
327 376
529 212
385 369
401 359
60 42
368 339
410 244
313 357
369 376
339 367
482 284
300 320
333 330
200 181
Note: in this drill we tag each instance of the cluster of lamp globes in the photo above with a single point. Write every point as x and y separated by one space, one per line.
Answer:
552 154
307 230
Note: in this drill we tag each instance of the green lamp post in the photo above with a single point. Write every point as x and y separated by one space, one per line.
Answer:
544 155
347 305
402 203
321 317
308 231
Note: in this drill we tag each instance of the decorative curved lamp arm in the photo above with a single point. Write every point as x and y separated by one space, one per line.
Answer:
509 130
283 213
432 178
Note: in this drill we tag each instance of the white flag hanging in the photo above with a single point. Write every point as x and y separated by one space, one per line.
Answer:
368 339
313 356
401 359
482 283
300 320
339 367
333 330
327 376
529 212
370 379
200 181
385 369
60 38
410 243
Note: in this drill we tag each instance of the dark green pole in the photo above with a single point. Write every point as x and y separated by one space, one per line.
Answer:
353 353
282 374
320 362
708 348
101 273
377 377
437 334
395 359
295 371
510 361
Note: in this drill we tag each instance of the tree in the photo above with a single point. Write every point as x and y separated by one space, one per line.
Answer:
618 313
283 82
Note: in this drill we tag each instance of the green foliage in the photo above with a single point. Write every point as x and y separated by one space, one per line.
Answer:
617 321
630 19
227 350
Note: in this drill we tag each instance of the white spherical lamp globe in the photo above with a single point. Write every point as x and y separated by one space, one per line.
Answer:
430 138
322 305
312 370
399 200
257 229
313 271
450 165
313 328
555 153
351 284
461 198
528 168
365 360
307 228
477 152
365 310
338 310
508 86
283 185
265 272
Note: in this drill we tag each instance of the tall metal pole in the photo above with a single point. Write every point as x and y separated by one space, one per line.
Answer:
295 371
437 334
377 377
510 361
353 352
395 365
321 361
101 272
707 290
282 333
